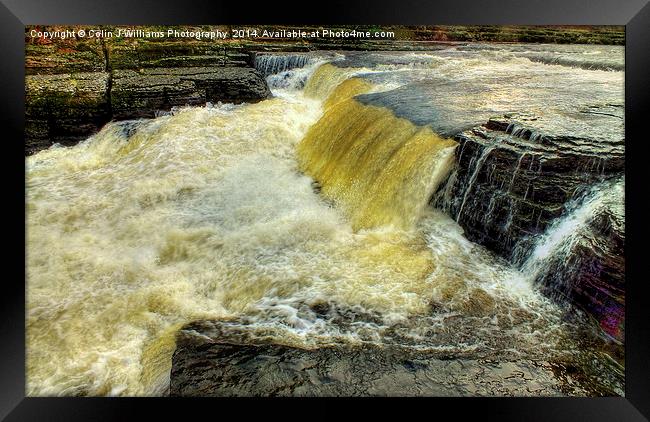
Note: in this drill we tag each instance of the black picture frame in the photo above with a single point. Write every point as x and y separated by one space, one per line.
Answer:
634 14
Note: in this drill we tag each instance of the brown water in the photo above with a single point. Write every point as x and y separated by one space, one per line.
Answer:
212 212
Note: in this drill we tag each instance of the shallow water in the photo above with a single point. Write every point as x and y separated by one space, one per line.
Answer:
209 212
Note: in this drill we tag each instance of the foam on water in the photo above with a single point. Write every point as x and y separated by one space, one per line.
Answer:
204 213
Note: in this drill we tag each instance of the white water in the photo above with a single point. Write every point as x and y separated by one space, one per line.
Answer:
203 214
558 240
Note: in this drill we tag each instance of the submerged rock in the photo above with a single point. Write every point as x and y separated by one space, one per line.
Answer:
217 358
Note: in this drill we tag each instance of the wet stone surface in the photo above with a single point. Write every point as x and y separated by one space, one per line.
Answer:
214 358
512 179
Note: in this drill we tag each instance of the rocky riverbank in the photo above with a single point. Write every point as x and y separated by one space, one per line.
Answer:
220 358
70 96
514 180
76 85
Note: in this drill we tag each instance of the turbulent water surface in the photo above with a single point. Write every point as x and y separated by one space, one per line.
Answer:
263 212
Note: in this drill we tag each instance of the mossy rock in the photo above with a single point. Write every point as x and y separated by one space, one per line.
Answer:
63 95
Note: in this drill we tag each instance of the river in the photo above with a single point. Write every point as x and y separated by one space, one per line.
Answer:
318 195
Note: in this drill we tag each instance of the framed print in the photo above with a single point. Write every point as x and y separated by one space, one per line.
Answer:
397 201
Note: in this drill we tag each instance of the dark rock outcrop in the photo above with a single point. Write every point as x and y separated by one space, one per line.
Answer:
216 358
513 180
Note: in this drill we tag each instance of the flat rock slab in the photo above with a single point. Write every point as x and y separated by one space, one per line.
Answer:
214 358
141 93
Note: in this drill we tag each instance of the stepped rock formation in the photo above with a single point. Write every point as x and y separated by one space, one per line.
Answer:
73 89
512 180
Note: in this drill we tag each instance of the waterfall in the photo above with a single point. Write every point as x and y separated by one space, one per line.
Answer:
326 79
459 190
557 245
269 64
379 168
210 213
288 72
580 258
477 169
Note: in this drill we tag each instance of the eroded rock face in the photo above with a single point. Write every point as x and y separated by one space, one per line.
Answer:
513 179
216 358
64 108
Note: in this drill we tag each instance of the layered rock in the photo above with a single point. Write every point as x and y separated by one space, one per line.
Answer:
512 180
215 358
64 108
141 94
67 108
74 86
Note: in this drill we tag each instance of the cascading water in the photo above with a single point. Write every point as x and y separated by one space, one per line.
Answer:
477 166
289 71
559 239
269 64
205 213
380 169
567 255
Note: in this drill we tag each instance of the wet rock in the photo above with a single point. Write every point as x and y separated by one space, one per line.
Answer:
64 108
218 358
591 272
513 180
67 108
